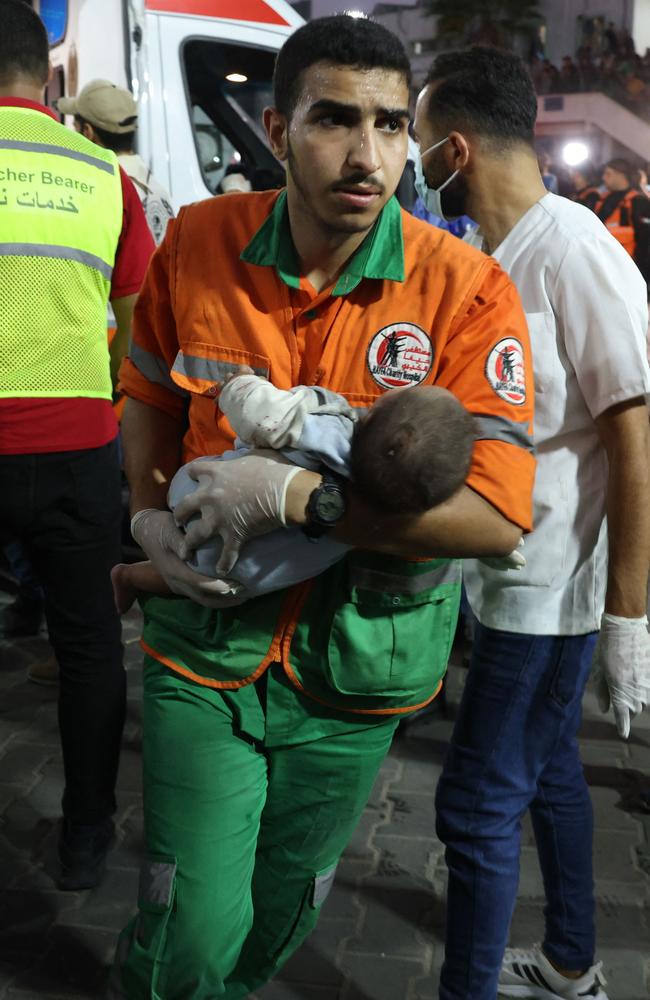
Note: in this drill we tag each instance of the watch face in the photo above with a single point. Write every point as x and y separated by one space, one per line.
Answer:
329 507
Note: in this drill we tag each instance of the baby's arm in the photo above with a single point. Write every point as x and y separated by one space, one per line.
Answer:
325 439
264 416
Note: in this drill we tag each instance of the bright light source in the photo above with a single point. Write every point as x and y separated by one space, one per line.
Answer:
355 13
575 153
236 78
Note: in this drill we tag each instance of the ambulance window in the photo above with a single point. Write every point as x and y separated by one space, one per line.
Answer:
54 14
228 86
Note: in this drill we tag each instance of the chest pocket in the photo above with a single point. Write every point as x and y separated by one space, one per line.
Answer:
201 368
548 371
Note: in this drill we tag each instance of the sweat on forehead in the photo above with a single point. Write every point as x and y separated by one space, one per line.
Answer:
346 90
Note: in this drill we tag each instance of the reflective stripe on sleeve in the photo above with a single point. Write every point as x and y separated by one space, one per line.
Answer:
58 252
209 369
154 368
46 147
491 427
395 583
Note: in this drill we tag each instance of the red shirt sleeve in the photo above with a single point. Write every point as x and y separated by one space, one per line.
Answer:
135 246
145 374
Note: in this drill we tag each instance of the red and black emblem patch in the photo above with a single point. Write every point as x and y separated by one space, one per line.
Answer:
400 355
505 371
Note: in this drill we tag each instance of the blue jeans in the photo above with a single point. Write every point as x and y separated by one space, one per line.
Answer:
514 748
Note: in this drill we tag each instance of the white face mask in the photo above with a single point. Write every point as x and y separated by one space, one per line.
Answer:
430 196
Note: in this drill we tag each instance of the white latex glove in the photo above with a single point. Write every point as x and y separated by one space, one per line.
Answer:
262 415
621 668
157 534
516 559
237 500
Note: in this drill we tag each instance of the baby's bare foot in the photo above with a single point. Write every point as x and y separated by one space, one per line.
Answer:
124 593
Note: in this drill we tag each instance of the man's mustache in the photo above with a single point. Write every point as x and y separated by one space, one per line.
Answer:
362 180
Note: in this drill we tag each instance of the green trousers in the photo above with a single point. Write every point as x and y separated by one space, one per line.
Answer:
250 798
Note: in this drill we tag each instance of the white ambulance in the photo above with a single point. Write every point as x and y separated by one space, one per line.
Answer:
199 69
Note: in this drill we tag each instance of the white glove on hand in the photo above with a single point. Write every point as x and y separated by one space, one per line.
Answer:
516 559
621 668
237 500
156 533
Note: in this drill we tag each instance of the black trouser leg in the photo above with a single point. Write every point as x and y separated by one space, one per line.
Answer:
72 532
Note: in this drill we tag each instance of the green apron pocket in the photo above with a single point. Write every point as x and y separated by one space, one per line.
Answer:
389 644
375 632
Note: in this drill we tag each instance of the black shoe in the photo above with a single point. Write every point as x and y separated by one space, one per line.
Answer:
23 617
82 852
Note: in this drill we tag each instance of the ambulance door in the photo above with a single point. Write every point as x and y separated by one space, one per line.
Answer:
215 82
149 89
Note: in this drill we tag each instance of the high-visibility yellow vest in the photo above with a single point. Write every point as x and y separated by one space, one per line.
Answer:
60 222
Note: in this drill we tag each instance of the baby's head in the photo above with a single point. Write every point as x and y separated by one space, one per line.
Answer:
412 450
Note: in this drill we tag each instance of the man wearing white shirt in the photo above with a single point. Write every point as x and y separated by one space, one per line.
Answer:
514 745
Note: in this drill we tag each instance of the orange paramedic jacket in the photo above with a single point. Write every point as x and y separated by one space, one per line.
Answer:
621 222
454 321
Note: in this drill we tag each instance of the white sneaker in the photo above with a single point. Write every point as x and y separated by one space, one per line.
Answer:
528 973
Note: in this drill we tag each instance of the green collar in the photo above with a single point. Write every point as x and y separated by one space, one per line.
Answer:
381 255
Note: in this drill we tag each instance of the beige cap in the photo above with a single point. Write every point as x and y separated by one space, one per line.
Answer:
235 182
103 104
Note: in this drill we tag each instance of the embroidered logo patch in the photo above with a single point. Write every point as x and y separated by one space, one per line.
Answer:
505 372
400 355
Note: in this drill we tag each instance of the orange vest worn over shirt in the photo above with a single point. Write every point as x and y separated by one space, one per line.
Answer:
620 223
587 194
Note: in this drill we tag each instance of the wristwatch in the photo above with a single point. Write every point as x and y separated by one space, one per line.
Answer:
326 505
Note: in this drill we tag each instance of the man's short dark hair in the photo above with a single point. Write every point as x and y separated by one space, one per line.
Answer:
485 90
24 48
622 167
118 142
412 453
340 40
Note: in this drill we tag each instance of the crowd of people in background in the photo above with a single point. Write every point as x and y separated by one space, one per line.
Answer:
619 194
606 61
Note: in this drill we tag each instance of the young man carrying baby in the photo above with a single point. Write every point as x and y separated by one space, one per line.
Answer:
408 453
265 724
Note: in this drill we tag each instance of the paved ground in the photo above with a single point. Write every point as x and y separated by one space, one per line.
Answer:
382 927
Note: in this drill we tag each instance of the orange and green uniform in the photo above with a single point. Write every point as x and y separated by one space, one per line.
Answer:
265 724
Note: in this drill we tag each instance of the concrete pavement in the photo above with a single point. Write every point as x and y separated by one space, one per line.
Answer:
381 933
